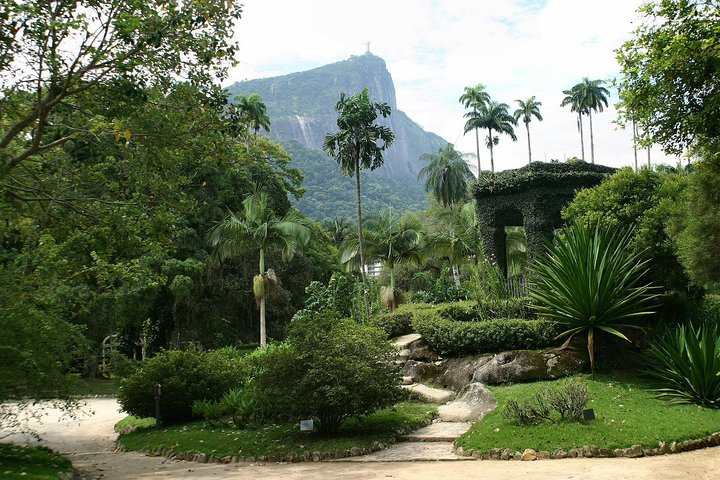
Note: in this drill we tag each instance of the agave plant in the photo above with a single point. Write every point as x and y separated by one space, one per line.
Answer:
589 281
686 365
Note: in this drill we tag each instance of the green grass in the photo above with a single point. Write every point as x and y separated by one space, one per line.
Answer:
131 422
281 440
626 414
84 387
18 461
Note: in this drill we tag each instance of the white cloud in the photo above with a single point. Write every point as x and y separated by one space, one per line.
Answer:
434 48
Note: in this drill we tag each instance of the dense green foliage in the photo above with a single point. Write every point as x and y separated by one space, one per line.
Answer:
686 364
278 441
447 175
400 321
626 414
329 369
670 70
591 283
449 337
644 201
32 463
185 376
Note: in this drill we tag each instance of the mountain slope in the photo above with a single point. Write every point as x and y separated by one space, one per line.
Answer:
301 107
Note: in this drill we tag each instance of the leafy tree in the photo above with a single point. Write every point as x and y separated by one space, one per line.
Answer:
456 236
257 228
391 240
589 282
593 96
357 145
476 98
54 52
495 117
573 98
645 201
526 110
670 73
447 175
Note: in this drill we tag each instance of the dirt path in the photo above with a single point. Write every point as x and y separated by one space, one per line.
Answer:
88 442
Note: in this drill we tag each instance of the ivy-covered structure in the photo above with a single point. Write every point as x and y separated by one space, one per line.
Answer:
531 197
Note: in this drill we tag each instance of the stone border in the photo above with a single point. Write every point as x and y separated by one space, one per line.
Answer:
316 456
593 451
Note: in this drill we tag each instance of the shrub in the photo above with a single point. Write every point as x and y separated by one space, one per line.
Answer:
185 376
438 289
521 307
328 369
459 311
590 282
464 338
686 364
234 403
567 399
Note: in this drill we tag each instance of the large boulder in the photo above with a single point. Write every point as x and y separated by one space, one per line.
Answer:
561 363
458 372
420 350
422 372
471 404
511 367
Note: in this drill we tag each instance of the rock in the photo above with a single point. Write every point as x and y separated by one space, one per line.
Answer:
607 453
619 452
421 371
226 459
458 372
563 363
517 456
434 395
407 380
575 452
560 453
528 455
543 455
471 404
404 341
511 367
356 451
404 354
420 350
494 454
201 458
634 452
316 456
506 454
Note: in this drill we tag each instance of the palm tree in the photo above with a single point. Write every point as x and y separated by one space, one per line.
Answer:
391 240
528 109
475 97
253 113
356 145
457 237
447 175
573 97
257 228
495 117
594 97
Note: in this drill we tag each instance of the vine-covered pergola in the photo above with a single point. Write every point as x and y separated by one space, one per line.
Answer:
531 197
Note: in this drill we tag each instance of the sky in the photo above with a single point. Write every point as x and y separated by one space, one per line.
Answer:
435 48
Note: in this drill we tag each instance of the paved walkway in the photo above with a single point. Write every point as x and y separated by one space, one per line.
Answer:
89 444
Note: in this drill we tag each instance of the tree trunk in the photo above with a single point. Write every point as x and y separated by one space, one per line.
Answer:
582 140
592 142
477 148
527 127
634 132
456 276
492 159
649 164
263 339
361 241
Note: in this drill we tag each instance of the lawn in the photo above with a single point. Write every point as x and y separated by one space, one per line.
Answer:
281 440
626 414
36 463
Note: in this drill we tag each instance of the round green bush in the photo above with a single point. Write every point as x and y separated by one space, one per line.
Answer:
328 369
185 376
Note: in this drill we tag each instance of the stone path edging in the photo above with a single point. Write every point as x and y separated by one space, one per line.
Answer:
593 451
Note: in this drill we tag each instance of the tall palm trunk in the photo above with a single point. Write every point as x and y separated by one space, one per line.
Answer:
456 276
361 240
582 140
527 127
492 159
263 337
592 143
477 149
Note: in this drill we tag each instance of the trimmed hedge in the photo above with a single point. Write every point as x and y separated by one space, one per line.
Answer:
487 310
452 338
399 322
